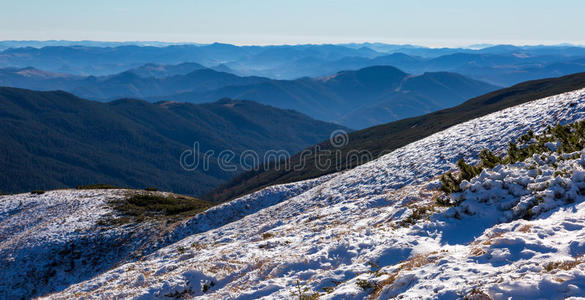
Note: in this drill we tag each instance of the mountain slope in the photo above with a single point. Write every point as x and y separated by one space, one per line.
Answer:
90 238
416 95
376 231
35 79
371 143
345 96
62 237
54 140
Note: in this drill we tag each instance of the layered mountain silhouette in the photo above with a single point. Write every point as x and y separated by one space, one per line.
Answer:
91 60
501 65
146 81
54 140
499 68
356 99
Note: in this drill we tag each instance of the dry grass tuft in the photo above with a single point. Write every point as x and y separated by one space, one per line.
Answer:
477 294
562 265
491 237
477 252
525 228
408 265
418 213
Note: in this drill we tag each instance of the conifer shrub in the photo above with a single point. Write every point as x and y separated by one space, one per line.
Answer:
153 204
365 284
139 207
514 153
450 183
565 138
526 137
488 159
302 292
418 213
467 171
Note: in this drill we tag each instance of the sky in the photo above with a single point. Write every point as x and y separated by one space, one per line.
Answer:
259 22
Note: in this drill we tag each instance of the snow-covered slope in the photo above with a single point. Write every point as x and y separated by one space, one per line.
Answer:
375 231
45 238
52 240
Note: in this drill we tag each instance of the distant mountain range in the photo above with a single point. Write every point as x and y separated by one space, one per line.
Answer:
87 43
55 140
146 81
89 60
500 69
501 65
356 99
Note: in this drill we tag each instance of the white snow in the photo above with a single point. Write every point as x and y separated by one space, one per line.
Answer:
55 239
377 226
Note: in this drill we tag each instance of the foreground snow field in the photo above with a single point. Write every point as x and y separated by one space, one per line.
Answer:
51 240
374 231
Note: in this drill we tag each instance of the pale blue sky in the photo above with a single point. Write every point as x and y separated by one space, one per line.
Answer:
423 22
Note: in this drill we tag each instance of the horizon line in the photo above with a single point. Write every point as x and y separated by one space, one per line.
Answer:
478 45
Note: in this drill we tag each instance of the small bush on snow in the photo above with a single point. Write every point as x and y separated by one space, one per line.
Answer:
365 284
568 138
301 292
451 184
139 207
